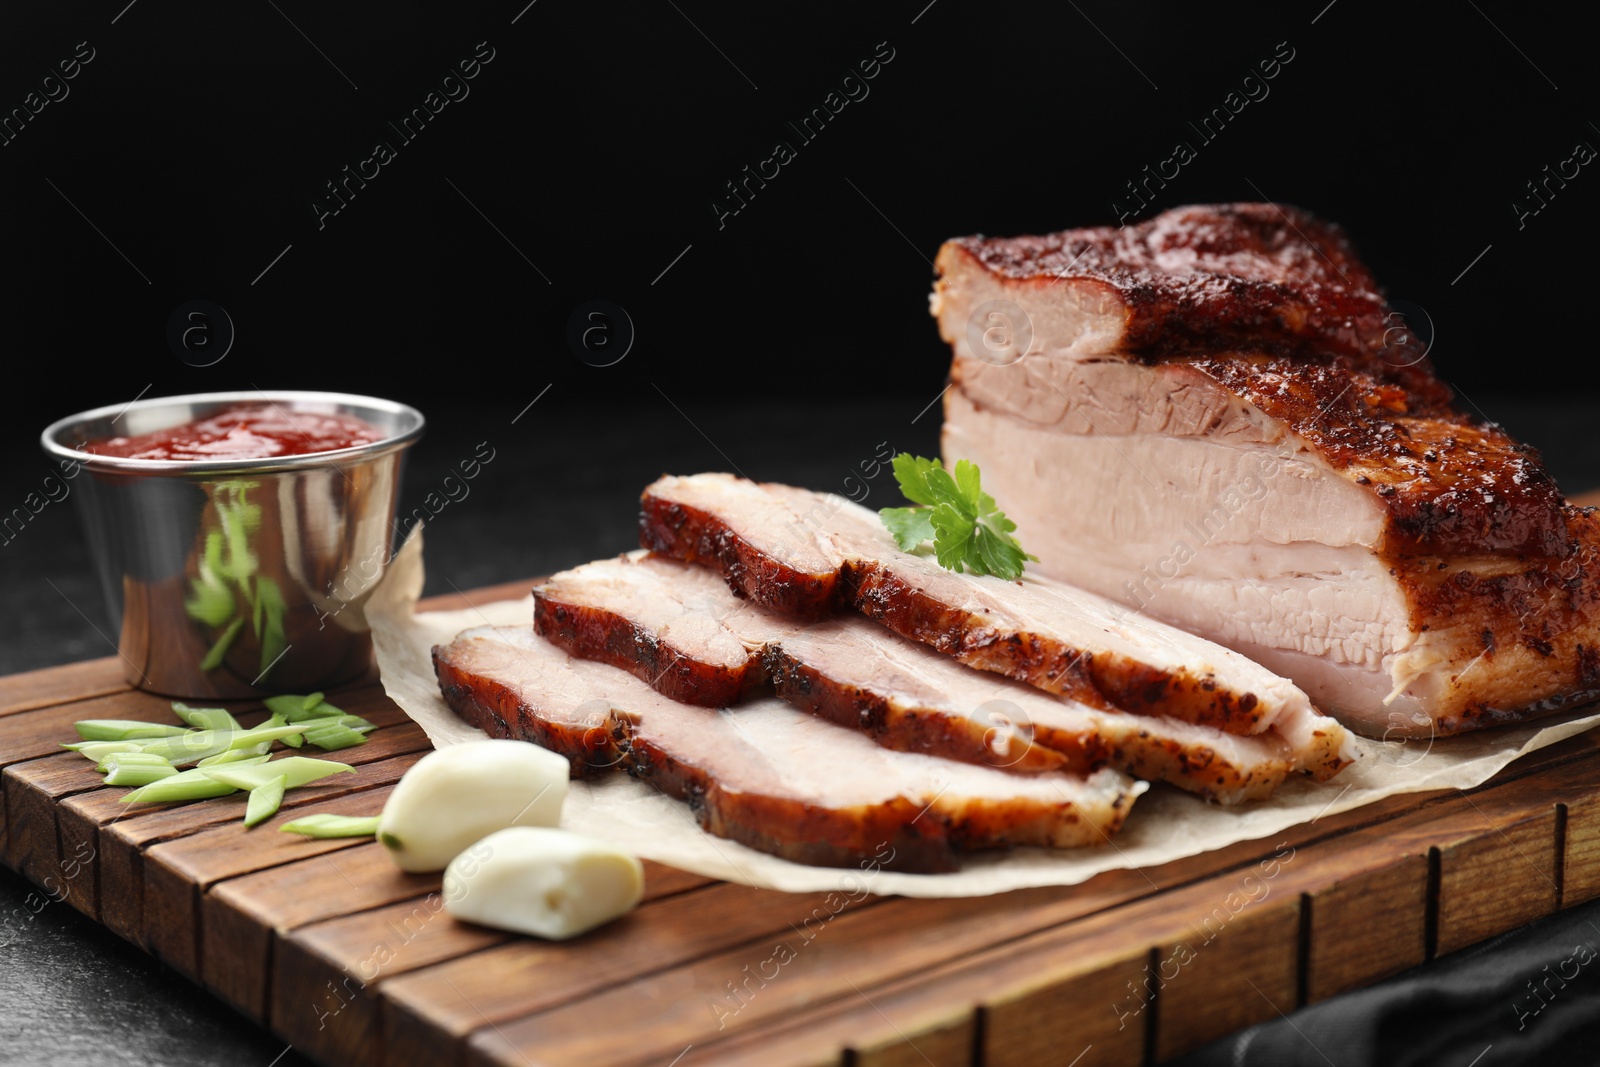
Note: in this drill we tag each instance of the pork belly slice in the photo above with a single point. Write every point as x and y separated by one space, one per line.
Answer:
774 557
909 697
687 646
1325 509
902 694
1193 280
765 774
1047 634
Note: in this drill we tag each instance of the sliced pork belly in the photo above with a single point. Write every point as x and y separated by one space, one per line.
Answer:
1050 635
685 645
902 694
765 774
1324 510
910 697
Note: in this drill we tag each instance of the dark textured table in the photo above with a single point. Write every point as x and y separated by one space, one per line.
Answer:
561 488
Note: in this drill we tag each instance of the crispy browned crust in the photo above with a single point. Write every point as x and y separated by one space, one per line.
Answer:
1531 627
1195 770
695 536
1103 681
1452 484
499 712
596 634
1266 277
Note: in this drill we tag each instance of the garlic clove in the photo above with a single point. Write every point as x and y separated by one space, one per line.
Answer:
550 883
457 795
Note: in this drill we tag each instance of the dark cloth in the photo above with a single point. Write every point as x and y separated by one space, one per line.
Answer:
1528 996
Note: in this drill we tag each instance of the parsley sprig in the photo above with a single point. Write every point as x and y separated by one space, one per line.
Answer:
967 530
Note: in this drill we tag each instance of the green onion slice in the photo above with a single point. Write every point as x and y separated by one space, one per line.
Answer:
187 785
132 759
99 750
206 718
140 774
238 755
123 729
299 770
332 738
321 824
264 800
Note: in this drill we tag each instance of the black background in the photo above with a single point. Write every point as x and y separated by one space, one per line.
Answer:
595 141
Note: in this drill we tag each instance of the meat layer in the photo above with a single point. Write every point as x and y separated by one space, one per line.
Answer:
765 774
1053 636
906 696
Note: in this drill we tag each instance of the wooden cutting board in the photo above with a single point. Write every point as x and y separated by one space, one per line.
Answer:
355 963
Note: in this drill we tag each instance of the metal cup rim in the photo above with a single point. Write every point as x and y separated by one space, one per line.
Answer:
408 415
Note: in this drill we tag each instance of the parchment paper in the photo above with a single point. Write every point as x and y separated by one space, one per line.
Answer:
1165 824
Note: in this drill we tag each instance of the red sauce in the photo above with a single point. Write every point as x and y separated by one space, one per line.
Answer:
244 431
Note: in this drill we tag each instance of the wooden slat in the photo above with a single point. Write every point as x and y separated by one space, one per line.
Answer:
1036 1007
457 997
34 793
1226 977
1581 851
176 874
1368 922
1497 869
860 949
1078 993
339 961
242 917
61 684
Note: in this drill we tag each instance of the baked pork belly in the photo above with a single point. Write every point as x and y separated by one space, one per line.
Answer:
765 774
1215 420
819 551
692 642
904 695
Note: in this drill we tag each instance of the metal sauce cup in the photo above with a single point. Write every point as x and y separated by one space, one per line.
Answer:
238 578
